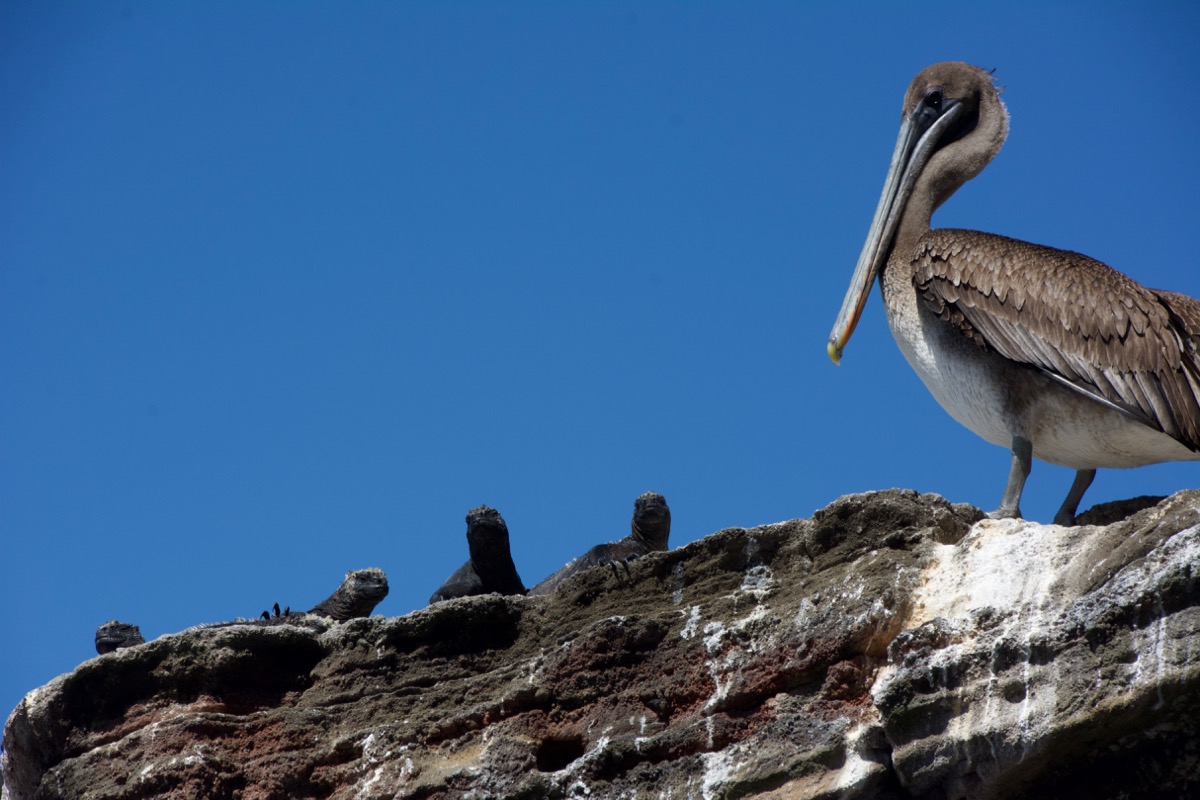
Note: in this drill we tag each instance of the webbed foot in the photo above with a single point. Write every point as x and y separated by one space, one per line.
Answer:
1005 513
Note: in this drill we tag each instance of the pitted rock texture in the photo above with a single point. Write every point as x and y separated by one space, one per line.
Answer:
893 646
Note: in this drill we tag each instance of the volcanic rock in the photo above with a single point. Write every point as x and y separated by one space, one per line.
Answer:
893 646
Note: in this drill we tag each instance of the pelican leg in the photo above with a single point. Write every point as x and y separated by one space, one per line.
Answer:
1066 514
1022 463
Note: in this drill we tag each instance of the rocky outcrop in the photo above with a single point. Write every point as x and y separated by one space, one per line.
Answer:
893 646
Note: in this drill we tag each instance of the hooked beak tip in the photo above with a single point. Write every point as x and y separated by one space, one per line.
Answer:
835 352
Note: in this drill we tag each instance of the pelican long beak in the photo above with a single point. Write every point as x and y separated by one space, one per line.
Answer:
919 135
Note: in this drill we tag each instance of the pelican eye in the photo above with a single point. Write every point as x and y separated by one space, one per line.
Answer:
931 107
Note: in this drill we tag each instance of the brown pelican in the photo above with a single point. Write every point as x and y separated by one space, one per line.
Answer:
1046 351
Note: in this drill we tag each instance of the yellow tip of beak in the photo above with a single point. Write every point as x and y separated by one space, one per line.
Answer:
835 354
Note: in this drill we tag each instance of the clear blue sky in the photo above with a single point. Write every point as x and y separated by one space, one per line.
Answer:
287 288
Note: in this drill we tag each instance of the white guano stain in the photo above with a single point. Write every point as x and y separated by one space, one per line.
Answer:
693 623
856 769
1016 571
719 768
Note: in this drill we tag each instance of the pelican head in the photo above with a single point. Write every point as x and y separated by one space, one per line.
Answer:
951 125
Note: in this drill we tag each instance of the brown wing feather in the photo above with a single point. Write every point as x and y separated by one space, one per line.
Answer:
1078 319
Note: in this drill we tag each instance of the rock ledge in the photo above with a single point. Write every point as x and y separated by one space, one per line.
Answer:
893 646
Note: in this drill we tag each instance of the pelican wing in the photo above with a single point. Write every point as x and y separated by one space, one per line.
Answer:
1072 317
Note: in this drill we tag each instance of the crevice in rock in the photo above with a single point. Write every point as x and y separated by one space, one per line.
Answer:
558 750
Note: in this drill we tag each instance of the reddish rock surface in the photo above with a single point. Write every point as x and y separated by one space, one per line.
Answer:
893 646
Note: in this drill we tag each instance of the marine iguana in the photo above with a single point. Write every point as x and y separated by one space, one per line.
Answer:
360 592
490 568
649 531
114 635
358 595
